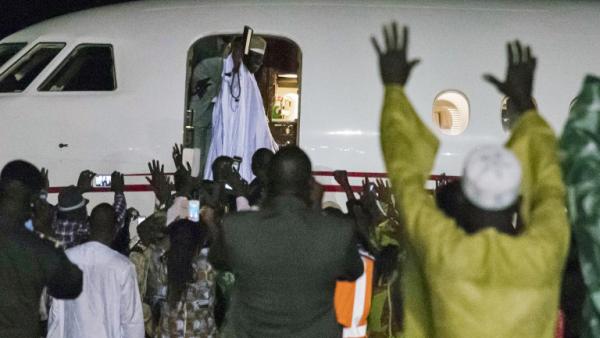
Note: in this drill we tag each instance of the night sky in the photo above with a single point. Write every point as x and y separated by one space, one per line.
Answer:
18 14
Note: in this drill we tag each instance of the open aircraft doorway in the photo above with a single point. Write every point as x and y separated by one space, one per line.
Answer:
278 80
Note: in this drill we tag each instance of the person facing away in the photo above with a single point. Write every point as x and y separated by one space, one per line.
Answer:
189 310
487 283
109 306
151 233
28 263
71 225
260 165
286 258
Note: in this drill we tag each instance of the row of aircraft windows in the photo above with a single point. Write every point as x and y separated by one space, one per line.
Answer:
89 67
451 112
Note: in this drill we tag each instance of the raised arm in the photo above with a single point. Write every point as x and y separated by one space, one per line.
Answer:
409 150
543 207
120 204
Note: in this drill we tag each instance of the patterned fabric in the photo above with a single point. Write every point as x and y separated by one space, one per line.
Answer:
72 233
156 284
193 317
383 310
140 256
580 157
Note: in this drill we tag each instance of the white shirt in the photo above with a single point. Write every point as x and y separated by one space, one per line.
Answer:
109 305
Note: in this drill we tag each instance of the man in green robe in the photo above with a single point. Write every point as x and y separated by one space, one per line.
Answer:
486 283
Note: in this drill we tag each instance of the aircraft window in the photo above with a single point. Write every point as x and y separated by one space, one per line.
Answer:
88 68
8 50
510 114
278 80
451 112
28 67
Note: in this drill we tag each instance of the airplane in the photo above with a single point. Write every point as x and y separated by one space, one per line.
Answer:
108 88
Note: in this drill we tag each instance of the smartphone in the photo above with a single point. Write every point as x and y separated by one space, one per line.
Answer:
236 163
194 210
248 32
102 181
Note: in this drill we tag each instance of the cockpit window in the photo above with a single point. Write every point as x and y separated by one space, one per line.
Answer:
8 50
89 67
23 72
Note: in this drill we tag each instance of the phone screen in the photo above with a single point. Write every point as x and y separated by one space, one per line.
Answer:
246 39
102 181
194 210
236 163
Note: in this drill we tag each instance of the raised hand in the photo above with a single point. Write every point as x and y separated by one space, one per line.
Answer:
117 182
384 190
45 179
84 183
341 177
518 85
43 214
178 155
182 176
239 185
161 184
394 65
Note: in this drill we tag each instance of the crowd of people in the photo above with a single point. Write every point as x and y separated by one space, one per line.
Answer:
483 256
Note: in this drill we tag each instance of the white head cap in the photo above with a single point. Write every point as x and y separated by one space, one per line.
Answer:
491 178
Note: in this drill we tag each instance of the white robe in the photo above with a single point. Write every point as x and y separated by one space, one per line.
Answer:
239 127
109 305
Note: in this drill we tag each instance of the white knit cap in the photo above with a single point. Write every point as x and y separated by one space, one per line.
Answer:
491 178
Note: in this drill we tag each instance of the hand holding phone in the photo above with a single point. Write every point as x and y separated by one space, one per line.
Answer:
248 32
194 210
102 181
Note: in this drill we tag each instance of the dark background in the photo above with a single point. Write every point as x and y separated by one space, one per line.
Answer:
18 14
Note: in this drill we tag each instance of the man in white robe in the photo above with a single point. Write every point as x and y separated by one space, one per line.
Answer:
239 123
109 305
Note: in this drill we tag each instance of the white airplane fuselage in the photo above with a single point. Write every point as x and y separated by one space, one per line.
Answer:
340 94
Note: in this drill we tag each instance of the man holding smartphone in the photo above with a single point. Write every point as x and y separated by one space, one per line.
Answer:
71 226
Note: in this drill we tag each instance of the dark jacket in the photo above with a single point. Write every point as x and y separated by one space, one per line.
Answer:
27 265
286 259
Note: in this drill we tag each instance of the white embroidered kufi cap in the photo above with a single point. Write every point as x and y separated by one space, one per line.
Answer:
491 178
258 44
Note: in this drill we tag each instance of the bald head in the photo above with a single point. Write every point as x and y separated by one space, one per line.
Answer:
103 223
290 173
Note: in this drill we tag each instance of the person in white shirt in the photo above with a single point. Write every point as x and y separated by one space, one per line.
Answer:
109 305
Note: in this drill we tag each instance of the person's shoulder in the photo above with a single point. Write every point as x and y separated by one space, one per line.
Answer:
333 221
241 217
35 242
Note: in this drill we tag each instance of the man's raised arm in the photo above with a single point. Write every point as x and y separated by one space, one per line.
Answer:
543 207
409 150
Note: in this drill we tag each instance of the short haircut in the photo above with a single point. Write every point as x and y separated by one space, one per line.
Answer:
103 221
290 171
261 159
23 172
